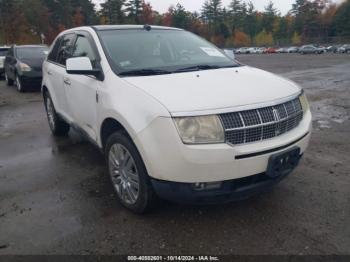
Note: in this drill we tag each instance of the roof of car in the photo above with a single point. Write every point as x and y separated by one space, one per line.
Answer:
126 27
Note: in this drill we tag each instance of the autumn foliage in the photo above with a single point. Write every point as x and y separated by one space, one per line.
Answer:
237 24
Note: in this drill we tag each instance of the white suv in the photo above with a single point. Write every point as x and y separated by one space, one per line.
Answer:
175 117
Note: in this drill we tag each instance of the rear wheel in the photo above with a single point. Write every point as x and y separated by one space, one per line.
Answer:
128 174
9 82
58 126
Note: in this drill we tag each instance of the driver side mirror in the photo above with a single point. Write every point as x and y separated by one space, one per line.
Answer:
82 66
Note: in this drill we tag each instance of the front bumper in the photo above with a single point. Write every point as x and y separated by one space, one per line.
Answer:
31 79
167 159
231 190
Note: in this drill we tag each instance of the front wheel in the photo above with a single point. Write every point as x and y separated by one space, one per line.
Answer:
58 126
128 174
19 84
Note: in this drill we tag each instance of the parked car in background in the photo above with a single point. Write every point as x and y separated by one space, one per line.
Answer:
3 52
239 131
332 49
271 50
293 49
242 50
309 49
282 50
252 50
321 49
344 49
261 50
23 66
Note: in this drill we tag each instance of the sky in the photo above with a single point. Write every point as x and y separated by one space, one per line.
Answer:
195 5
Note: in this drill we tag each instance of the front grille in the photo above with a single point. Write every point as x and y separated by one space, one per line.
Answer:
262 123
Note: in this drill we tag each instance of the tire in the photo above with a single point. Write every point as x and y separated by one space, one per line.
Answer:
9 81
19 84
58 126
128 174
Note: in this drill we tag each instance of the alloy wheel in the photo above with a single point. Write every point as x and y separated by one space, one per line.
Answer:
124 174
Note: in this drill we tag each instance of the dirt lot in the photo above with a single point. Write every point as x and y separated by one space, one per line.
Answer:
55 197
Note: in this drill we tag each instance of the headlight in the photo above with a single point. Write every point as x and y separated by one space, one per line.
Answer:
304 103
200 129
24 67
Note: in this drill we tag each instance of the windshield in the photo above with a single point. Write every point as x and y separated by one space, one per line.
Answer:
160 51
3 51
31 52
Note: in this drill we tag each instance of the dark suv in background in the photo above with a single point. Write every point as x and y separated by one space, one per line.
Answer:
23 66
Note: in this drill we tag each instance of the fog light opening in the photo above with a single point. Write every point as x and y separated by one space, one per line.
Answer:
207 186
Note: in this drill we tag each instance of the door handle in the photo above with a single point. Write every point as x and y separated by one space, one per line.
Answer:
67 81
49 72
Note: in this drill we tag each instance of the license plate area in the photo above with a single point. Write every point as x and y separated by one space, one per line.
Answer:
283 163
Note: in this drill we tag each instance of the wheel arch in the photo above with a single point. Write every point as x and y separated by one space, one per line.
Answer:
109 126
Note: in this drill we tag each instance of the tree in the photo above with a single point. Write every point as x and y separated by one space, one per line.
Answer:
12 29
241 39
212 14
112 11
36 15
342 19
251 21
180 17
237 11
281 30
134 9
264 38
296 39
87 10
269 17
147 16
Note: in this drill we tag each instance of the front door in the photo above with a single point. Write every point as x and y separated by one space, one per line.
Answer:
81 90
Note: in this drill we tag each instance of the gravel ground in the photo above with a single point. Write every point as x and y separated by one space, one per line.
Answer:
55 197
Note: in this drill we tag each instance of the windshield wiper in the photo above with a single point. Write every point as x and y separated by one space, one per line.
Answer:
202 67
144 72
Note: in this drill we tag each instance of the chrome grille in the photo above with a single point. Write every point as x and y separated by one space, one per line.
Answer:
262 123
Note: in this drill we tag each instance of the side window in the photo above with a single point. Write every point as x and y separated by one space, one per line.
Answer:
53 54
65 50
83 48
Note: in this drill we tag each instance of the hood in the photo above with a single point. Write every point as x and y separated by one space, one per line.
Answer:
36 63
211 90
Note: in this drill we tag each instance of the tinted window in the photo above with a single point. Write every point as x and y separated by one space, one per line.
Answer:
65 50
53 54
31 52
83 48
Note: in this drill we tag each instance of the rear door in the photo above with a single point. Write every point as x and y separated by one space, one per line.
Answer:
55 70
82 90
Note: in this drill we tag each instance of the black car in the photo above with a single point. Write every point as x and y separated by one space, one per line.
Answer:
23 66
